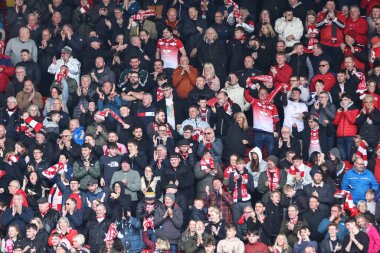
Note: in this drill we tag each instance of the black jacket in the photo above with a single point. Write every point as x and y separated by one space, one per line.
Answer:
298 64
325 195
298 199
222 120
95 233
271 227
49 220
214 53
369 132
305 137
233 141
180 109
314 218
183 174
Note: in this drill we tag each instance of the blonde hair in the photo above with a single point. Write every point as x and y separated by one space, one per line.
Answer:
215 37
38 222
270 28
34 107
286 245
216 210
162 244
208 64
245 122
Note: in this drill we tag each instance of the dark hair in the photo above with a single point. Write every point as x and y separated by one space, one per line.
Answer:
25 51
169 29
112 145
87 145
32 226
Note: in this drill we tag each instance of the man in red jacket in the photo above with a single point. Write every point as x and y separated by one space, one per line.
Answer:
357 24
325 75
6 70
282 72
331 24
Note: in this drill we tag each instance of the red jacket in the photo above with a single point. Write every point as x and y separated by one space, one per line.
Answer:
360 26
346 122
326 28
283 74
7 73
368 5
328 79
69 236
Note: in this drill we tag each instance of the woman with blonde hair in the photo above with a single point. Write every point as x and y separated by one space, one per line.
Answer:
213 50
267 48
280 245
239 136
212 80
64 230
189 232
217 226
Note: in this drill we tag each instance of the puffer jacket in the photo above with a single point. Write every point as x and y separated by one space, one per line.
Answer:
369 131
346 121
130 234
169 228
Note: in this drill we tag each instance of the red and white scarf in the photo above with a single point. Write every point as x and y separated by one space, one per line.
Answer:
160 94
11 158
362 152
103 114
362 87
209 164
228 107
273 180
203 114
260 78
227 172
111 233
293 170
143 15
349 204
55 198
294 220
314 136
245 196
84 8
50 172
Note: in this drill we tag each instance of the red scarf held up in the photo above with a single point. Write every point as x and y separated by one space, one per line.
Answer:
160 94
143 15
208 164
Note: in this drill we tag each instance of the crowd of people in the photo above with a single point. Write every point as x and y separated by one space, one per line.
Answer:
188 126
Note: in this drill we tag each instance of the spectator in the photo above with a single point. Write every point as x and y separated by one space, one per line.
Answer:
289 29
360 184
23 41
66 59
357 240
29 96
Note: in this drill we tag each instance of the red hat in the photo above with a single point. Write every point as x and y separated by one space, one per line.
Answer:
351 33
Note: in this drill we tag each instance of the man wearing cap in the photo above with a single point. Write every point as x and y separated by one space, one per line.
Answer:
93 50
86 168
271 179
184 149
321 190
94 192
66 59
180 175
168 220
130 178
70 191
352 48
48 216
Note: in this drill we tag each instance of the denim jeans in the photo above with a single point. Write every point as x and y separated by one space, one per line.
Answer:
261 138
174 248
345 145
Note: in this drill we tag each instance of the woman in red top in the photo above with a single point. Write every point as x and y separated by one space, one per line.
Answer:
64 230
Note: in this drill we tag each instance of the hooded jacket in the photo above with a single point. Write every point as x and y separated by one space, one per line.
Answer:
262 165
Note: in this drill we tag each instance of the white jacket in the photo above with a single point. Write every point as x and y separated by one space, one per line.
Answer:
73 65
236 94
285 28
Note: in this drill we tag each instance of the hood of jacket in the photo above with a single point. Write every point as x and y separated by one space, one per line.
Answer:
258 152
336 153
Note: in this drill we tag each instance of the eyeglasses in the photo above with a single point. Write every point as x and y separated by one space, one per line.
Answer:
323 65
208 133
66 135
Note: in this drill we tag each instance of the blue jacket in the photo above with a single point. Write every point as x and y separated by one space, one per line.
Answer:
342 230
21 220
130 234
358 183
